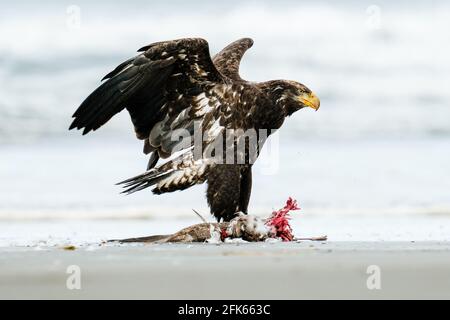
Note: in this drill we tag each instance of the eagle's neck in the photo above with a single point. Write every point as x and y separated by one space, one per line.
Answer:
276 92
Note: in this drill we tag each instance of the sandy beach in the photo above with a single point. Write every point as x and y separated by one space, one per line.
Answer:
331 270
411 255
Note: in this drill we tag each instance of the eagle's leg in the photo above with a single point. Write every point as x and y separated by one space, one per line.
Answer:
228 190
246 188
154 157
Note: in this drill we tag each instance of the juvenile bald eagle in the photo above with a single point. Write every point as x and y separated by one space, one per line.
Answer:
171 86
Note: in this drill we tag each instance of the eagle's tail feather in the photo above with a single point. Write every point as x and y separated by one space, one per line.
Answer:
143 181
178 174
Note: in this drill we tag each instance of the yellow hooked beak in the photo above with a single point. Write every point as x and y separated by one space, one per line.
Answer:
310 100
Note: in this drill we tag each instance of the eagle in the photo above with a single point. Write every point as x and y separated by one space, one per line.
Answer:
172 89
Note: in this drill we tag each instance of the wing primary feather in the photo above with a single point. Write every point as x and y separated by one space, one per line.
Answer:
115 94
118 69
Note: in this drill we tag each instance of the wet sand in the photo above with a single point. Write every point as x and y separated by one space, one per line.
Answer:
307 270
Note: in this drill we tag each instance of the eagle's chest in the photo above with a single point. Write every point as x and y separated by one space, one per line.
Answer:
236 111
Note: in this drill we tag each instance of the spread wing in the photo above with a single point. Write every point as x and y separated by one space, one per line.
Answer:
228 60
163 88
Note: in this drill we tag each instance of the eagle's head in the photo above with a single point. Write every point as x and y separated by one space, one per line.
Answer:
293 96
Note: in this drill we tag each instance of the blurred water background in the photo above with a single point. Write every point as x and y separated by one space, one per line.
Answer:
379 144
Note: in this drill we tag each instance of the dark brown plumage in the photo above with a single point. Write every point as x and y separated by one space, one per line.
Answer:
174 86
